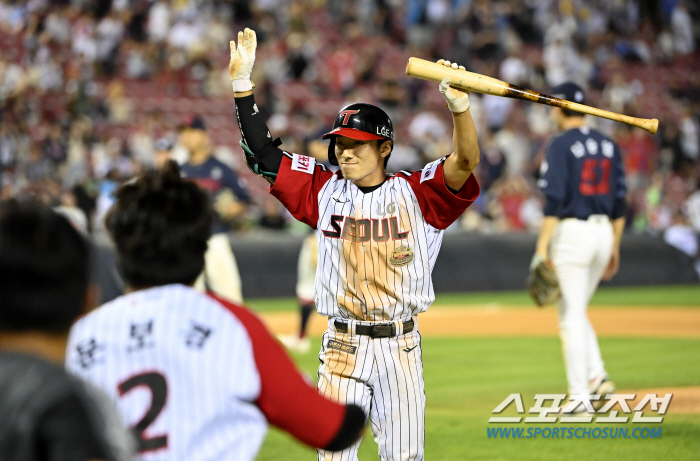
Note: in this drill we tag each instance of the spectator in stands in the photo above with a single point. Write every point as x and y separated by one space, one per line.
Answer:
162 151
690 135
682 27
680 235
618 94
50 70
692 209
640 158
160 18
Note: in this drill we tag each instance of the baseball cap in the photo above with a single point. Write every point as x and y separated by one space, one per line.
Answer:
163 144
569 91
195 122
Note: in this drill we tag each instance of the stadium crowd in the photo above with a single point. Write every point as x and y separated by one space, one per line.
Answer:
93 91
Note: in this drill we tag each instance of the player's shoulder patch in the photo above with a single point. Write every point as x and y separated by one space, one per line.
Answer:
429 170
303 163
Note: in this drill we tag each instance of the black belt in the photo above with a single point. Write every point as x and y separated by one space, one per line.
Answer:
593 217
379 330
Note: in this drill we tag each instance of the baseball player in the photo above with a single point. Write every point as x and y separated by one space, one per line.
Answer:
306 277
378 237
230 200
583 181
194 376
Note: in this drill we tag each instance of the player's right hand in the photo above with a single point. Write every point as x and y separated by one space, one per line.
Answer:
457 101
242 59
613 265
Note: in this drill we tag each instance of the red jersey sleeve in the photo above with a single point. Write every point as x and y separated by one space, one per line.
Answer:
440 207
286 399
298 183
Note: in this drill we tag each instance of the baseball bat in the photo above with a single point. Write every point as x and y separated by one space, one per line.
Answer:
464 80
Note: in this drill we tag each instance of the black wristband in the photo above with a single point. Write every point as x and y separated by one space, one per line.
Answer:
256 135
349 431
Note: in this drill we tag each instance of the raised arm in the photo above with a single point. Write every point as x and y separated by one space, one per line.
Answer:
459 166
261 152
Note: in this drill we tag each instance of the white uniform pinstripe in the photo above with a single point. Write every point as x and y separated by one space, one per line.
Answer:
135 340
356 280
376 254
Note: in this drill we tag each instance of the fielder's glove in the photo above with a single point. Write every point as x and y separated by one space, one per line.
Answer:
242 59
542 283
457 101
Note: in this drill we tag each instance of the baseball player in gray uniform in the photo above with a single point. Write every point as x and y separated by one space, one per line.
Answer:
378 238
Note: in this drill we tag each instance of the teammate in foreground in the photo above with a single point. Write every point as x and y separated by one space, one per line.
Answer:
583 181
45 413
194 376
378 238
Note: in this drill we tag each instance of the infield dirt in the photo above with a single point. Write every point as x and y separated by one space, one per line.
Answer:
499 321
493 320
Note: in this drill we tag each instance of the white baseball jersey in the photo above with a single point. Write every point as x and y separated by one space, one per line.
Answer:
376 250
196 378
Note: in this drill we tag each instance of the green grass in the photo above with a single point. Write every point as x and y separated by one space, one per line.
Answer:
660 296
466 378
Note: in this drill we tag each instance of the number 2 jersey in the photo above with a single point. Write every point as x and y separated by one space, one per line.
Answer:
197 378
582 175
376 249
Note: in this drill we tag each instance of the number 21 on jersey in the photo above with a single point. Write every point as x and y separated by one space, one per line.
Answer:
595 172
595 176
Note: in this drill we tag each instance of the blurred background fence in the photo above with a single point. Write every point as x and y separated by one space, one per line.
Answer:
467 262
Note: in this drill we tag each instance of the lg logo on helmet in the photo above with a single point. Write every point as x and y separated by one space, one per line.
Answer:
346 115
384 131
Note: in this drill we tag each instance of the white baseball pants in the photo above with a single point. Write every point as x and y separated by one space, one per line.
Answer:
220 274
384 376
580 252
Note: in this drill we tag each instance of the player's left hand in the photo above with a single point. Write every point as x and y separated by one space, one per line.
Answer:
227 206
613 265
242 60
457 101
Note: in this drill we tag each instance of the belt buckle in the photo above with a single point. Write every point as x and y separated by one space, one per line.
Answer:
380 330
383 330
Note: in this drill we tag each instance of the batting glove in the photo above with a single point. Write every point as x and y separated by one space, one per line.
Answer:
457 101
242 59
